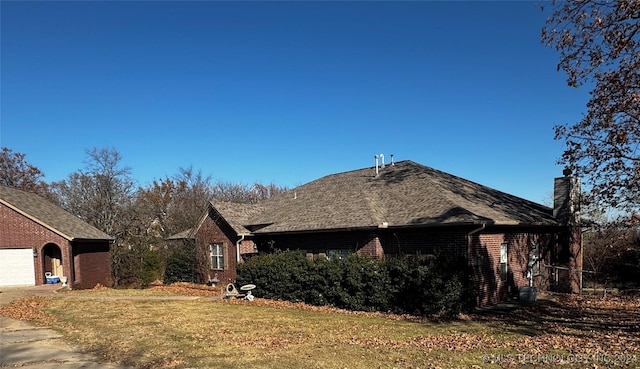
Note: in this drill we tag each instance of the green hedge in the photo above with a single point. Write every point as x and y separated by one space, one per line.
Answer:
181 266
416 285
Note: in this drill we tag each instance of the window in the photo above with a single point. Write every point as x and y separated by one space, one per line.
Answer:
340 253
328 255
216 251
504 261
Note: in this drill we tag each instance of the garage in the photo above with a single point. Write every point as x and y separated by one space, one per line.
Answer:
16 267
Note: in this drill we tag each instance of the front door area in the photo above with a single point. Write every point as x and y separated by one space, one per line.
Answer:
52 260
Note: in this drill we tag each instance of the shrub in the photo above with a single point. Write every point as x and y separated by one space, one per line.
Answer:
181 267
416 285
427 285
366 284
282 275
151 269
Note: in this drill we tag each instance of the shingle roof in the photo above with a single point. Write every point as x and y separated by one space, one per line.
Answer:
403 194
49 215
238 215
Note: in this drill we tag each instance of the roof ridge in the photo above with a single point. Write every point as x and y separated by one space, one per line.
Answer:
403 194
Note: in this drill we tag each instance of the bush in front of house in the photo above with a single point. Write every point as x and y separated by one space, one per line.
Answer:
417 285
150 269
428 285
365 284
181 267
281 276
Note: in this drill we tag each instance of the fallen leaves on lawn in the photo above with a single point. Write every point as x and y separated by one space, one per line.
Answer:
191 289
581 325
188 289
27 308
280 304
100 287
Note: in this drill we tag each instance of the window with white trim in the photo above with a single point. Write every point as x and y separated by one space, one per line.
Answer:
504 261
216 252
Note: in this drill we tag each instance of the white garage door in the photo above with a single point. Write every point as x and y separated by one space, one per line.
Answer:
16 267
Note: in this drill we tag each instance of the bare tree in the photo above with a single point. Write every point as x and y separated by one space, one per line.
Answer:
102 195
611 252
263 192
191 199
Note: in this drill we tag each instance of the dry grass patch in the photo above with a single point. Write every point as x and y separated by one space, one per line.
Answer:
201 333
206 334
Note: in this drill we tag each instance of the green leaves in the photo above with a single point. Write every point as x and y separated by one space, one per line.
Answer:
418 285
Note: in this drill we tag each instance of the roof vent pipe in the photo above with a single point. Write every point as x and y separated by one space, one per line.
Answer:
392 164
376 157
382 160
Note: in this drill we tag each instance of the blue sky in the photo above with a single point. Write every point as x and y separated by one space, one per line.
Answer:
286 91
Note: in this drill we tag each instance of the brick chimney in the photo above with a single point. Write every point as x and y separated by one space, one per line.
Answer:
566 199
566 208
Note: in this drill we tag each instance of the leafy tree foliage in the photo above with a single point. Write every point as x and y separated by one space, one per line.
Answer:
16 172
181 265
599 45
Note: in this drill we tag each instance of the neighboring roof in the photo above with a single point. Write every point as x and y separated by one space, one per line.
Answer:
403 194
186 234
49 215
234 214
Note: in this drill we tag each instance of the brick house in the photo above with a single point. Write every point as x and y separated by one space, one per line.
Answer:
38 238
403 209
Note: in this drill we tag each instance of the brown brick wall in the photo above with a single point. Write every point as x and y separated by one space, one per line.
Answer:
372 249
88 266
424 241
18 231
494 285
91 264
248 247
317 242
212 232
482 249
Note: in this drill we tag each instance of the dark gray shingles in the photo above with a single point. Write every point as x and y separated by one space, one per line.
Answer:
237 215
51 215
405 194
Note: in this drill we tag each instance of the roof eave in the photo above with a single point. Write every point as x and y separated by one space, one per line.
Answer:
413 226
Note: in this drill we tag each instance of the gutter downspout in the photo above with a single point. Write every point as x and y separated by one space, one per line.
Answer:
238 242
471 233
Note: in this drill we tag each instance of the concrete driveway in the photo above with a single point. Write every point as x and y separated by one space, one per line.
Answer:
27 346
